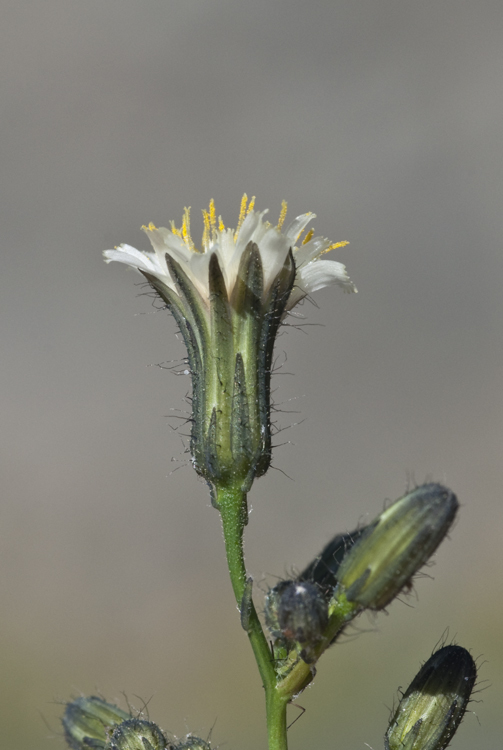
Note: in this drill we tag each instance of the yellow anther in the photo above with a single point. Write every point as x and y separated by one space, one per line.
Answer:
334 246
186 228
213 220
251 205
242 214
308 237
175 231
186 223
151 227
206 230
282 215
221 225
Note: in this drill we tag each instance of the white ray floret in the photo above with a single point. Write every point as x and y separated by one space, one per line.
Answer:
274 244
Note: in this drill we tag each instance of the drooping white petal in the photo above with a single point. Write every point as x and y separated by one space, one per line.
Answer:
323 273
317 275
137 259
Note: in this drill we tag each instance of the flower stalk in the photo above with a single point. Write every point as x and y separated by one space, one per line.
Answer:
233 512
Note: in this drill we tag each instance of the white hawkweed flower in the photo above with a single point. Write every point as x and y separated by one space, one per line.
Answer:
229 298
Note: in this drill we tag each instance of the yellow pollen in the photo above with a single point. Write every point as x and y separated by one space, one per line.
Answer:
221 225
186 228
282 215
151 227
334 246
242 213
251 205
213 220
175 231
308 237
206 231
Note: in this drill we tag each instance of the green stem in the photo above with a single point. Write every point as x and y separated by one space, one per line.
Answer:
234 514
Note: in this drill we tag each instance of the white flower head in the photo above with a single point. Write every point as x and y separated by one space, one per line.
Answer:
273 243
228 298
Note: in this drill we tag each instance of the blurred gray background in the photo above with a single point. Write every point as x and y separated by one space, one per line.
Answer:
383 117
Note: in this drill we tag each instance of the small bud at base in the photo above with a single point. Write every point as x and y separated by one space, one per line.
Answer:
297 611
88 722
435 702
136 734
193 743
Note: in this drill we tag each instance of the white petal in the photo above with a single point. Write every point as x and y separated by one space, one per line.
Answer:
164 241
225 248
248 228
273 251
140 261
311 250
318 275
135 258
297 226
197 271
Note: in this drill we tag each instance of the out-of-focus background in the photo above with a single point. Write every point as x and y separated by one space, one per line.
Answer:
385 118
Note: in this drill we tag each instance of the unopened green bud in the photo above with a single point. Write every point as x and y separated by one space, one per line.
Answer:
297 611
323 569
136 734
396 545
88 722
435 702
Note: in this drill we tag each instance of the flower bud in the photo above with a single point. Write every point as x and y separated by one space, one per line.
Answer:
89 721
434 704
323 569
296 611
396 545
136 734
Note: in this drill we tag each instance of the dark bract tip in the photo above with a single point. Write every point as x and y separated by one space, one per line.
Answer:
435 702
